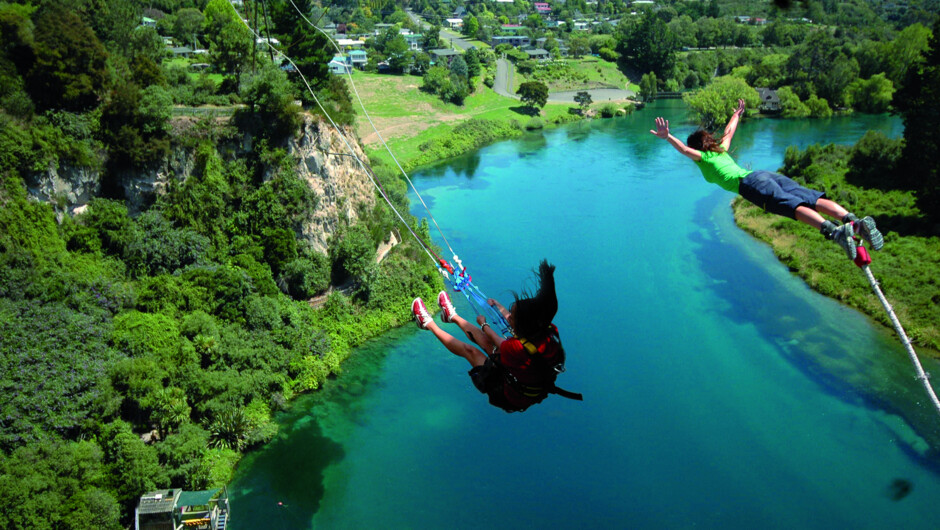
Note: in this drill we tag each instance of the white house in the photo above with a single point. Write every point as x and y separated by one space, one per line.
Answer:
340 64
455 23
345 44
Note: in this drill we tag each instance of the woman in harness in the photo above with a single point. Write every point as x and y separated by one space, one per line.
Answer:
521 370
773 192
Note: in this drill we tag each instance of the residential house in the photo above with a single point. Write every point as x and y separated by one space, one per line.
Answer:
414 41
175 509
742 19
358 58
182 51
542 8
539 54
346 44
443 56
511 28
340 64
769 101
518 41
148 22
454 23
460 12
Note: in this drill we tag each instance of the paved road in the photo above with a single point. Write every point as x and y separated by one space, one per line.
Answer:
455 39
503 81
446 35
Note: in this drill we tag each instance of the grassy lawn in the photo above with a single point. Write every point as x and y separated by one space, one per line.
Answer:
193 76
407 117
576 74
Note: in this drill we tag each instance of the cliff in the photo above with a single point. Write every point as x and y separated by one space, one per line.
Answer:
322 159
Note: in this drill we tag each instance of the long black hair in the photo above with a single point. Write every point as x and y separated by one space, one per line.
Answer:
533 314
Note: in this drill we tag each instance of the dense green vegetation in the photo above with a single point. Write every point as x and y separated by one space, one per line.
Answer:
909 265
894 181
148 347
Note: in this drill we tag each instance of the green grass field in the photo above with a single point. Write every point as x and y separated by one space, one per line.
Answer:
406 117
576 74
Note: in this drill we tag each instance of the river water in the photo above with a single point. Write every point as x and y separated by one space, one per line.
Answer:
719 391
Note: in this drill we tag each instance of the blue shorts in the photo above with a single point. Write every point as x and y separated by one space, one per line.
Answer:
777 194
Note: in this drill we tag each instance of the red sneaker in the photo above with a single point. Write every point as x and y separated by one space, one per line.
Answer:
447 307
422 317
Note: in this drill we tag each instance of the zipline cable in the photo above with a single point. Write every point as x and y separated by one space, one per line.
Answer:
342 136
377 133
460 279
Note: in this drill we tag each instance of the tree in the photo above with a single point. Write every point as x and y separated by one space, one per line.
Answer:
471 26
533 94
871 95
819 66
715 103
398 53
458 67
583 99
230 48
271 110
472 58
648 87
650 47
187 25
918 102
791 104
578 46
69 70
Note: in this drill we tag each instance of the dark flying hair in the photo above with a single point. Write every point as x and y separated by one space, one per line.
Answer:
703 140
534 313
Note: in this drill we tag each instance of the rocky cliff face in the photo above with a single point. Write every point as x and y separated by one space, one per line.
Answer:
341 185
324 161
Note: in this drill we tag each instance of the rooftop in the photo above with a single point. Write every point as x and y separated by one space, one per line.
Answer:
161 501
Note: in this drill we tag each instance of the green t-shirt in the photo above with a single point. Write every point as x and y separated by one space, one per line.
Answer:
720 168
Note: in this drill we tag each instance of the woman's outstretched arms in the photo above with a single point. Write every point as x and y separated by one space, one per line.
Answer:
732 125
662 131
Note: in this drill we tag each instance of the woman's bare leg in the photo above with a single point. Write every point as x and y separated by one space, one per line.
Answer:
459 348
474 333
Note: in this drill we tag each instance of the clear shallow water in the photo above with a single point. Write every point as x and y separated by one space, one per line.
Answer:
719 390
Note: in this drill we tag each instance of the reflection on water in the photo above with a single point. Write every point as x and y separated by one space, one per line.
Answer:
849 362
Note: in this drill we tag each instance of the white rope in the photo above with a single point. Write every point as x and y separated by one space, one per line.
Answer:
377 133
339 131
921 375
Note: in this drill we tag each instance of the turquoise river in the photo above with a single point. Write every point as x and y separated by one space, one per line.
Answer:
720 391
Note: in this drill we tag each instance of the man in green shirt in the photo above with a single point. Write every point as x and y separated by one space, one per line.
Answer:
773 192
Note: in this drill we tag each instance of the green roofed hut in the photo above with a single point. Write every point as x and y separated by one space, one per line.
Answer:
175 509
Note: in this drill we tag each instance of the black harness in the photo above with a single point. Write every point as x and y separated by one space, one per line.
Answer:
547 370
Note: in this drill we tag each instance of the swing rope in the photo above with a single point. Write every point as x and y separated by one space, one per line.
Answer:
459 281
863 260
379 134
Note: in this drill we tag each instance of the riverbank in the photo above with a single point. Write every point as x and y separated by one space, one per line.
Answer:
420 129
908 269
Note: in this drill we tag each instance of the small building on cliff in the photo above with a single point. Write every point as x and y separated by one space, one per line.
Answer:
175 509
